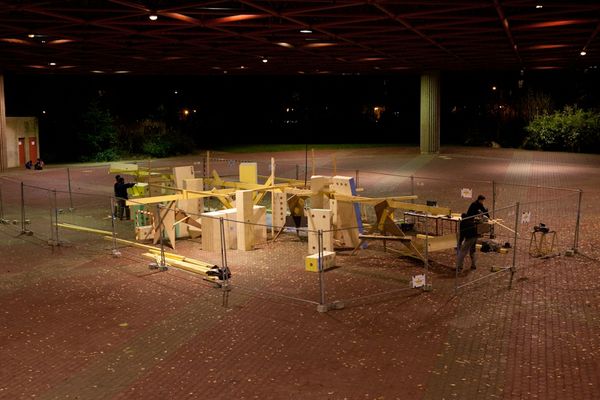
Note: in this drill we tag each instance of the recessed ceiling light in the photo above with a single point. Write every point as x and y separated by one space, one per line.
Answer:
583 52
97 71
122 72
319 44
52 64
284 44
547 46
494 88
539 6
60 41
15 41
264 60
152 17
305 31
31 35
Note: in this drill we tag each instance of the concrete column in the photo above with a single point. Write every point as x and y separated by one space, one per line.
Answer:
430 112
3 149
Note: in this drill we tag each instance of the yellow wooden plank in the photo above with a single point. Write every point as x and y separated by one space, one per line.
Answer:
419 207
183 258
83 228
179 264
372 200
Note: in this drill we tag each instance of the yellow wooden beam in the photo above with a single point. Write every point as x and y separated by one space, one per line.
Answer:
372 200
419 207
83 228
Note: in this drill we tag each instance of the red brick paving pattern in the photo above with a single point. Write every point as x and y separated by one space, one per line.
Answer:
83 325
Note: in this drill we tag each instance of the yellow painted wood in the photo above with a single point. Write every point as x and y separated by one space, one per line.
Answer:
311 262
83 228
372 200
419 207
249 172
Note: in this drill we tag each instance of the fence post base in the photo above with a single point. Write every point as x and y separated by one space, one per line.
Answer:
336 305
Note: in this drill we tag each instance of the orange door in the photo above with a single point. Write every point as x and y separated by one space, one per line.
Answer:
33 151
21 151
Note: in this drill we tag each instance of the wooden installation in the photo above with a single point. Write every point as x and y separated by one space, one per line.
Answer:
319 219
327 261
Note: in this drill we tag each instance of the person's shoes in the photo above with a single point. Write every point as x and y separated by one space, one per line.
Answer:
459 269
473 267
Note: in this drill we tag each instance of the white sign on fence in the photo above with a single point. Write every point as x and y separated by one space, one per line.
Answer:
466 193
418 281
525 217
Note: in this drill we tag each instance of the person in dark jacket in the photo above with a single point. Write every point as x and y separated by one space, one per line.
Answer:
121 195
116 210
467 241
477 208
468 232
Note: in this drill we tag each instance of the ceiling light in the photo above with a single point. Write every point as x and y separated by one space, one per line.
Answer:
494 88
546 67
583 52
52 64
31 35
264 60
60 41
371 59
319 44
284 44
15 41
122 72
547 46
550 24
539 6
153 16
305 31
97 71
235 18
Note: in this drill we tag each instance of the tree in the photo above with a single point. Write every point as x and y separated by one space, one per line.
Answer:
97 135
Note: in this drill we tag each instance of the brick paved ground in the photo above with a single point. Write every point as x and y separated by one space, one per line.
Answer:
77 323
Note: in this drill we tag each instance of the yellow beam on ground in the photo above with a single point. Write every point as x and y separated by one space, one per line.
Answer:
174 256
197 269
131 243
83 228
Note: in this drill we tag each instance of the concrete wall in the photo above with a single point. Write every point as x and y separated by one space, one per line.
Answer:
24 127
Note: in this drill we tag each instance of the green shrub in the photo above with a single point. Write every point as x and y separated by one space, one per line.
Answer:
571 129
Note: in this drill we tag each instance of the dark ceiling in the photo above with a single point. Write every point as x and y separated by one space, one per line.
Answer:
347 36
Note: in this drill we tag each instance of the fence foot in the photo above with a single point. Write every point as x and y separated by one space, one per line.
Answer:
116 253
157 266
570 252
336 305
428 287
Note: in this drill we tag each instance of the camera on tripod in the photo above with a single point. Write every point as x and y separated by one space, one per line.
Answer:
541 228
